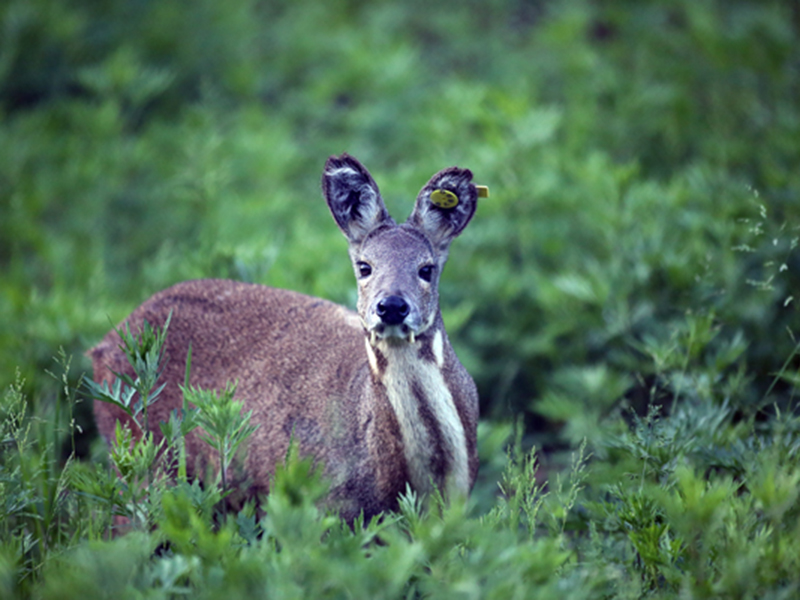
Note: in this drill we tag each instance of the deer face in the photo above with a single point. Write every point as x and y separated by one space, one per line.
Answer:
398 277
397 266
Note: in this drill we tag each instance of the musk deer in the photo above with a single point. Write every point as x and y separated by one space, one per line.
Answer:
378 398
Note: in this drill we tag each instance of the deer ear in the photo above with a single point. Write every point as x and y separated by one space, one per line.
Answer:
445 206
353 197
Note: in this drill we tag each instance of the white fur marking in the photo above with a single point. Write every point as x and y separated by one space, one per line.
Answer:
438 348
341 171
403 367
373 360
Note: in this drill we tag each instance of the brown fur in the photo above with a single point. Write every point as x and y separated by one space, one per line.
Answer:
302 363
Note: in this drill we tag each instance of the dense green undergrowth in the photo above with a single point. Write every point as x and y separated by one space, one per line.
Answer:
627 296
696 503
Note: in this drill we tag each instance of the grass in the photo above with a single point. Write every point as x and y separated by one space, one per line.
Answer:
678 533
698 501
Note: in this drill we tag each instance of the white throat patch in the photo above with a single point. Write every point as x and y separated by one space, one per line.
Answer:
404 369
437 346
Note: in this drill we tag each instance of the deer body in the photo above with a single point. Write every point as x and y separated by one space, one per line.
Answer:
378 397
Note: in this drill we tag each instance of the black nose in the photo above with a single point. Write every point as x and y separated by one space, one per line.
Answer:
393 310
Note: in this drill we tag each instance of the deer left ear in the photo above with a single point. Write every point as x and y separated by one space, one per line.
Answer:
353 197
445 206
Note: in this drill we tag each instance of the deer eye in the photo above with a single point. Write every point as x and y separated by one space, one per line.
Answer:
426 273
364 270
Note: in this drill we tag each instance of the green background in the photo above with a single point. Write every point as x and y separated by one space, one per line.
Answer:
639 246
643 159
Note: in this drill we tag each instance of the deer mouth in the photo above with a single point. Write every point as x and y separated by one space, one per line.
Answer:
392 333
393 320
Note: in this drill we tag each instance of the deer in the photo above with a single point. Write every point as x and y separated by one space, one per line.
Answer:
376 397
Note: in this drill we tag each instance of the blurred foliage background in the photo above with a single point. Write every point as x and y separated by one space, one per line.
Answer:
643 158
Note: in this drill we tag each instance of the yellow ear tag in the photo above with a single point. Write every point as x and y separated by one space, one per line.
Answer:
444 198
483 191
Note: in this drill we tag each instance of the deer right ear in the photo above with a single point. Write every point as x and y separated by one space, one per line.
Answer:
445 206
353 197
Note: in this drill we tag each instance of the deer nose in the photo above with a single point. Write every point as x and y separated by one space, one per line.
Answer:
393 310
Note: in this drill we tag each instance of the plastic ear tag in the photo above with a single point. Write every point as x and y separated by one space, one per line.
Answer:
483 191
444 198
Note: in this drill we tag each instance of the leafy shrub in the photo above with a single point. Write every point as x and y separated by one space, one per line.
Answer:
669 513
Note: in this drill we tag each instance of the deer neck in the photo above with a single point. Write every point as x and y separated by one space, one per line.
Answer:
412 376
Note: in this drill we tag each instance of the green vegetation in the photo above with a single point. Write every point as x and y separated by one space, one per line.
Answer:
627 298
